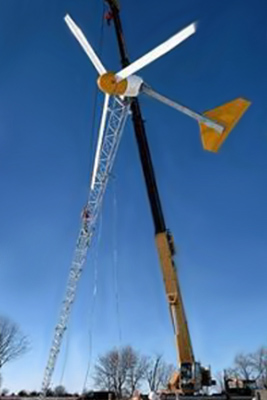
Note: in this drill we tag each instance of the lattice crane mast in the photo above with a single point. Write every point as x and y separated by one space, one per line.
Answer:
117 111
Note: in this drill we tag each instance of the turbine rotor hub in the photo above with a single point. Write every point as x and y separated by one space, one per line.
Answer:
109 84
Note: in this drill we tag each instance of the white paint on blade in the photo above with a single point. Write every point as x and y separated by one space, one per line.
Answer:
100 140
85 44
159 51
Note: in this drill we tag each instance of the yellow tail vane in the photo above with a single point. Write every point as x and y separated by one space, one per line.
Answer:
227 115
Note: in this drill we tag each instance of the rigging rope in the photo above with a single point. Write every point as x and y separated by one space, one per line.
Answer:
93 128
92 311
66 355
115 261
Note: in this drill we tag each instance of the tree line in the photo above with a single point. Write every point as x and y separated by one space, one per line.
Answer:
124 370
121 371
13 344
248 366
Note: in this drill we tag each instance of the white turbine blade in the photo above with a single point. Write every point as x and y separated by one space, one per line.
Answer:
85 44
100 140
159 51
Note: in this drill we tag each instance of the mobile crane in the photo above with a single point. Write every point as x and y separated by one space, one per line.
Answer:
192 376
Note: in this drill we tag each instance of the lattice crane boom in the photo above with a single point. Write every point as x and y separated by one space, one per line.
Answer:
116 118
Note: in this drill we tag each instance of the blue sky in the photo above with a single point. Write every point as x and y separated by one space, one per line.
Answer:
215 204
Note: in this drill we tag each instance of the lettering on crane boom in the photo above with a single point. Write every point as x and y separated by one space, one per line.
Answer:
171 242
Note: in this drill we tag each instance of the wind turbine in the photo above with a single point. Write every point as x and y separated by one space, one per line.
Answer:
215 125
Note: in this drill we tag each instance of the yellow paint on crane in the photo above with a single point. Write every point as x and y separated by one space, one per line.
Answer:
174 381
109 84
227 115
174 296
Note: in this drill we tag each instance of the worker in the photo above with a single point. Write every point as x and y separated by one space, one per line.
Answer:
136 395
85 219
153 396
108 17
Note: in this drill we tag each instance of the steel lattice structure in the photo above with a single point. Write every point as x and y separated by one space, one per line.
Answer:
117 115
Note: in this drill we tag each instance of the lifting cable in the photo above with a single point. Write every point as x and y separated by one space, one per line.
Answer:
95 289
95 261
115 260
93 128
66 356
92 310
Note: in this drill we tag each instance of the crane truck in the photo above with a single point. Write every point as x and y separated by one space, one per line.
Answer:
192 376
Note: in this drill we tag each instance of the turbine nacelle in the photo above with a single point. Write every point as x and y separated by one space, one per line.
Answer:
110 84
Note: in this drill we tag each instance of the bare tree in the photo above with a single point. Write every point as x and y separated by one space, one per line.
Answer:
158 373
251 366
23 393
259 363
137 367
220 386
60 391
152 372
107 371
13 343
120 370
4 392
34 393
167 371
50 393
243 366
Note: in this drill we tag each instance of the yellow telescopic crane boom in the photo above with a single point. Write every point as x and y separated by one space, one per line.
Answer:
166 251
191 376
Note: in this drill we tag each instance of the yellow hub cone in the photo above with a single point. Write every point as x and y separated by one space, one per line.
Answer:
108 84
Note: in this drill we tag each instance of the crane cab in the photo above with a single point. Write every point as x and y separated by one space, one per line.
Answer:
193 377
190 377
